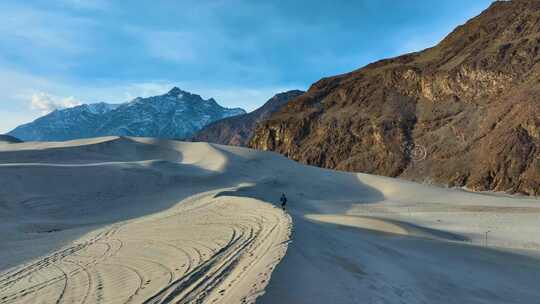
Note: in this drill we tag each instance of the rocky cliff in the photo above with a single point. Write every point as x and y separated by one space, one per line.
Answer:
237 130
463 113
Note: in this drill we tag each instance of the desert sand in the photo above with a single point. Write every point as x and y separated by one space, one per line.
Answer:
118 220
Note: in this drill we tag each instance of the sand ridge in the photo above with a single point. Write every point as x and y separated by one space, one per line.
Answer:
138 220
193 245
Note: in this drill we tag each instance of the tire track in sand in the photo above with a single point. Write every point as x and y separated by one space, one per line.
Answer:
207 251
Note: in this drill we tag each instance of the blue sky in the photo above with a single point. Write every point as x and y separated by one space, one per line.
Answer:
59 53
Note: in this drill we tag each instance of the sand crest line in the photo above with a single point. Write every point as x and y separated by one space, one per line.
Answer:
160 221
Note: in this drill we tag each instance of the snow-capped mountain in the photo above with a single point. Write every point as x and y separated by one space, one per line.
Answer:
177 114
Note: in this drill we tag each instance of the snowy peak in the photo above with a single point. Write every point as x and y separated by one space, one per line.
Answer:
175 115
100 108
180 95
175 91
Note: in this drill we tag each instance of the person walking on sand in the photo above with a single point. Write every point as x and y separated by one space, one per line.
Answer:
283 201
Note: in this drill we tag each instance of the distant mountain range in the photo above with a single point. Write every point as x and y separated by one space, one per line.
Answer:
237 130
175 115
464 113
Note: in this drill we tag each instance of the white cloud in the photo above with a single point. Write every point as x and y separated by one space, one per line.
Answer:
46 103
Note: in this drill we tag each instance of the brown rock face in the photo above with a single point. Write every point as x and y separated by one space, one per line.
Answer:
237 130
463 113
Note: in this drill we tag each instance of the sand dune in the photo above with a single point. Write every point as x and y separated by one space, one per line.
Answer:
118 220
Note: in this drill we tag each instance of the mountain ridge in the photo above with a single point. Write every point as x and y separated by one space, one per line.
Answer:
237 130
176 114
468 104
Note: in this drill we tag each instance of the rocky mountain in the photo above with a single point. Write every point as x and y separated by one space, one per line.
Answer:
463 113
9 139
77 122
237 130
177 114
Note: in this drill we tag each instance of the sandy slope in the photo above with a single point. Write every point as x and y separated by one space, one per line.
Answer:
153 228
119 220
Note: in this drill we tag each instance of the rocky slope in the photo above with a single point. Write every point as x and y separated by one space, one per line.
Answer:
463 113
237 130
177 114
